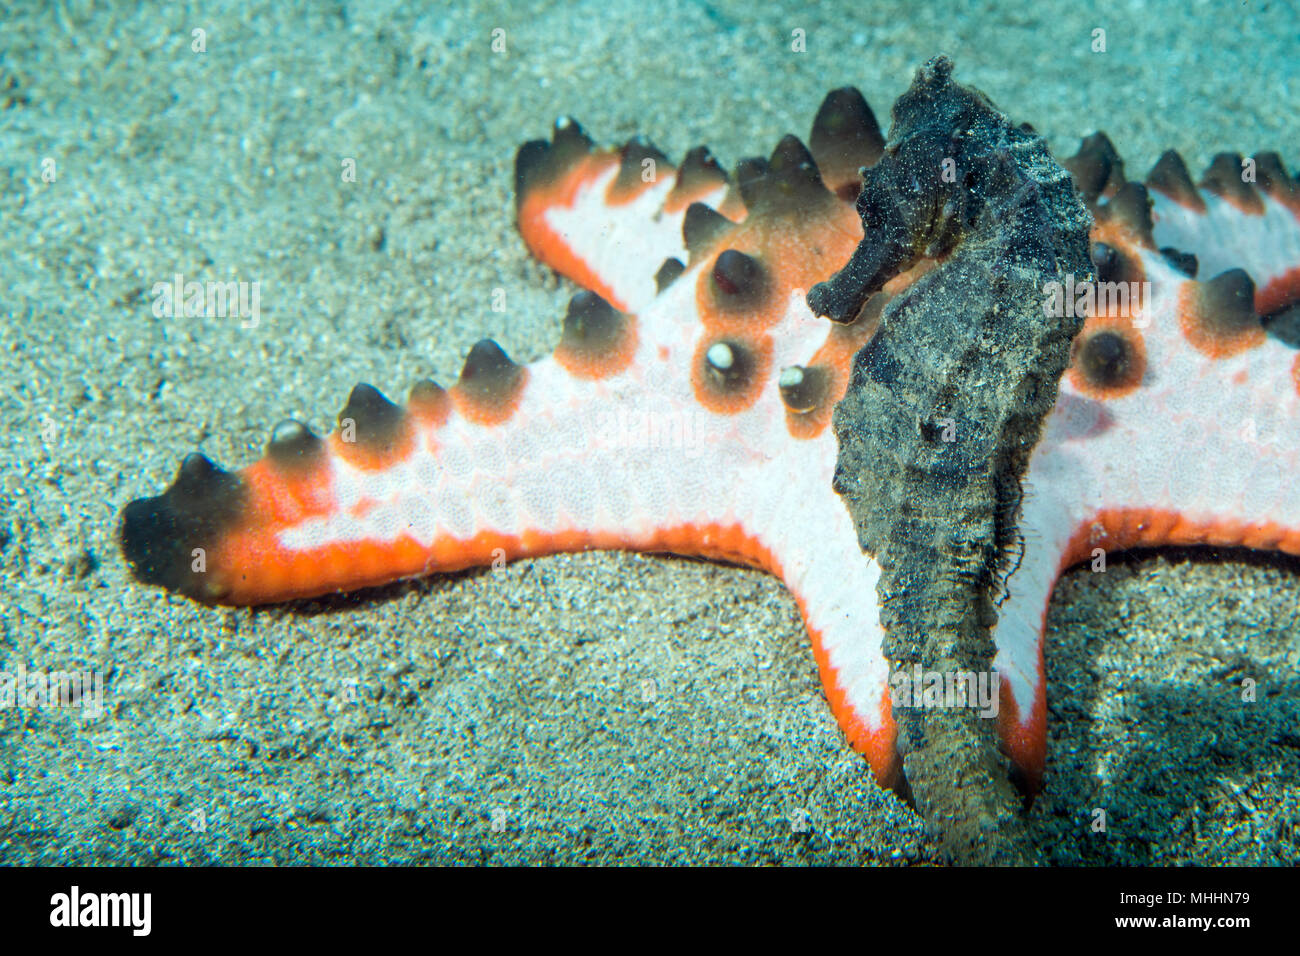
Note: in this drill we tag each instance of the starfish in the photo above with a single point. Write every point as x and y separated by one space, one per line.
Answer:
688 407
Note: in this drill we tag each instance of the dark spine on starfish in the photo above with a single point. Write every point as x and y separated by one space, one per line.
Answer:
701 227
639 163
1096 168
1224 179
165 538
1184 262
375 422
1169 177
668 273
539 163
1274 180
1130 207
294 446
788 183
699 171
944 407
845 137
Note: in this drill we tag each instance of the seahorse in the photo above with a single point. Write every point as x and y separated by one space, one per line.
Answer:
945 405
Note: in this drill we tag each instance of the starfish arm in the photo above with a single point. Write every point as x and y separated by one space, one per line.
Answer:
668 430
572 452
1178 424
1238 227
623 222
834 584
560 455
609 218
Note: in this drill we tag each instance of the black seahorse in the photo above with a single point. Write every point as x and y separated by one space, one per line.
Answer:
945 405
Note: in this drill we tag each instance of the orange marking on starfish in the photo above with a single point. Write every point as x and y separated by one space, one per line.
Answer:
1282 291
284 496
1137 360
732 399
251 567
493 411
605 363
808 425
878 745
1117 529
1198 327
430 406
552 248
616 196
369 458
1025 741
835 356
792 256
814 247
1121 237
733 207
